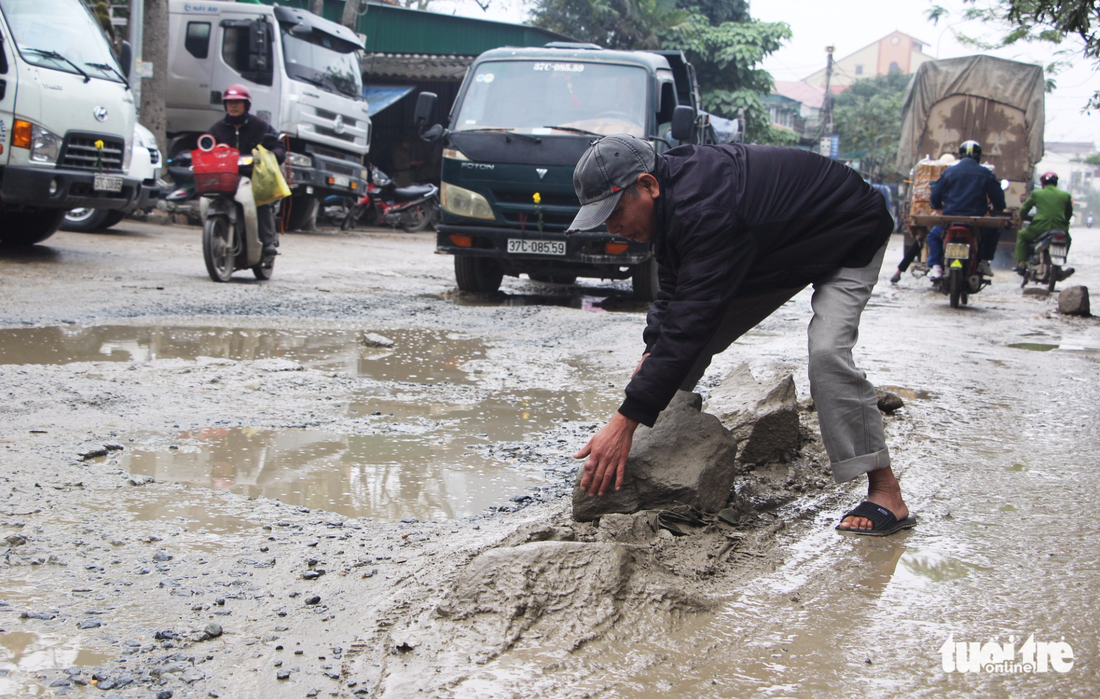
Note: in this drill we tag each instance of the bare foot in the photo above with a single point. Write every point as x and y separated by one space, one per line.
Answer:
882 489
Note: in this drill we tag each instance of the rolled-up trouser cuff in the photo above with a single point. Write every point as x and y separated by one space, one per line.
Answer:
857 466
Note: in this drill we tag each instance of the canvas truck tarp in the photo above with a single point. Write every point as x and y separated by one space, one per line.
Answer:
997 102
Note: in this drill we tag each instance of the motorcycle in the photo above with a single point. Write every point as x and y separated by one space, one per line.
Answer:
1046 261
230 228
182 198
413 208
1088 221
962 273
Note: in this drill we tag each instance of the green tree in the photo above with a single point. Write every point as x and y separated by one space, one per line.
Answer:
868 120
1047 21
725 55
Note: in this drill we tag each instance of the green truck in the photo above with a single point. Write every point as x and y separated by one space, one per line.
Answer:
520 123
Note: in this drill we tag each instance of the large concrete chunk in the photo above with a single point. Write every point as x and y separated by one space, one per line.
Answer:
1074 301
763 417
687 458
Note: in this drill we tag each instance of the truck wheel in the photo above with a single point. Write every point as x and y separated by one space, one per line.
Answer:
302 213
29 227
644 280
478 274
114 217
84 220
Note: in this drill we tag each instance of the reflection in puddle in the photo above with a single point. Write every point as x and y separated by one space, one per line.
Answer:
932 565
412 354
584 302
429 461
909 393
23 654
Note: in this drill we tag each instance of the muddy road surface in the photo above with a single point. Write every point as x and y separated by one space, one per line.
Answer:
352 480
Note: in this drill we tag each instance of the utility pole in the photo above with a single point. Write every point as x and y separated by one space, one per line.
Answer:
825 131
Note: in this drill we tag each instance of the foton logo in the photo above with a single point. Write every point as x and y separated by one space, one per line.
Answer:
478 166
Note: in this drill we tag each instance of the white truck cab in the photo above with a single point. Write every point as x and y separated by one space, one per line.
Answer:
66 119
305 78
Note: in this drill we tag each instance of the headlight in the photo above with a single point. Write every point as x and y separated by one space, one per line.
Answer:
127 155
463 202
454 154
300 160
45 145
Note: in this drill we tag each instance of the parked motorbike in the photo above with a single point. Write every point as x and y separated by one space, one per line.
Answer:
1046 261
230 229
182 198
412 208
334 209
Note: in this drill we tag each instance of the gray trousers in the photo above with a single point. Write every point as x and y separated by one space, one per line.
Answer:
265 220
846 404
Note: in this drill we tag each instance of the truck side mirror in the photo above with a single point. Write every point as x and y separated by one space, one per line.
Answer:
425 105
126 58
683 122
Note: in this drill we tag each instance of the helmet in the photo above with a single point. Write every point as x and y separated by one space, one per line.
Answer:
1048 178
970 149
237 92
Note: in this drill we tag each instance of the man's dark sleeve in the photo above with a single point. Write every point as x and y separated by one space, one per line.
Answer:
714 260
996 194
939 188
657 311
272 143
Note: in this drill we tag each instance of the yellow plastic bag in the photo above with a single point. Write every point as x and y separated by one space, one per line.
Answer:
268 184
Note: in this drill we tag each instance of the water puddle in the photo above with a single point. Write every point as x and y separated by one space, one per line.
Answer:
909 393
415 355
428 460
24 654
1033 346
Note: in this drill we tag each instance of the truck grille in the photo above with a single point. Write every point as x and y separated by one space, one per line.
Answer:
79 152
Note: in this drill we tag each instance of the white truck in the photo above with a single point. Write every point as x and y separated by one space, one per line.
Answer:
66 119
305 77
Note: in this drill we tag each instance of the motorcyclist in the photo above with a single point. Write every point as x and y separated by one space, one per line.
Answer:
244 131
1088 221
966 189
1053 209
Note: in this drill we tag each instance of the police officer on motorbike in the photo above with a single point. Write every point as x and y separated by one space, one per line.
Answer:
244 131
966 189
1053 209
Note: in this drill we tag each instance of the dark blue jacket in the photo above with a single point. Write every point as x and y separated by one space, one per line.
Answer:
964 188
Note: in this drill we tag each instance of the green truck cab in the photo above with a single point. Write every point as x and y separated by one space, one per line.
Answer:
520 123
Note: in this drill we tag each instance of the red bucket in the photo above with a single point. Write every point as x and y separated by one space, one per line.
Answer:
216 170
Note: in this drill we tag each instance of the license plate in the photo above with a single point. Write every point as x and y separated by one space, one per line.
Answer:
536 247
340 181
1058 254
957 251
107 183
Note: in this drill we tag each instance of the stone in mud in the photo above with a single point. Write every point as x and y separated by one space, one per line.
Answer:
503 592
213 630
888 402
686 458
763 416
374 340
1074 301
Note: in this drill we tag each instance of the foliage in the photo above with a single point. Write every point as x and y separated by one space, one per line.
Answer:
1047 21
719 11
613 24
725 59
1093 159
868 120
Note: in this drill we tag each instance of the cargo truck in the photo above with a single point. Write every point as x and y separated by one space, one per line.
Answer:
305 77
520 123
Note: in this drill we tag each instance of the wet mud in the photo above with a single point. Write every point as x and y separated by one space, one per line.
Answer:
246 490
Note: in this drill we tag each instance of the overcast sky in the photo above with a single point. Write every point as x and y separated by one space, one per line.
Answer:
849 25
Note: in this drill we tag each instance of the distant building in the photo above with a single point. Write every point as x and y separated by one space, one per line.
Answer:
893 53
1066 158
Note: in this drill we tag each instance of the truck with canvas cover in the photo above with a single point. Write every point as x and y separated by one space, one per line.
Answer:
994 101
66 118
305 78
520 123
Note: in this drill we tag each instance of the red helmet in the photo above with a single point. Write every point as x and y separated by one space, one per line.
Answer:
237 92
1048 178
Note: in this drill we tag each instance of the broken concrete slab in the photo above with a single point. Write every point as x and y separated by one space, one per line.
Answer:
763 416
687 458
1074 301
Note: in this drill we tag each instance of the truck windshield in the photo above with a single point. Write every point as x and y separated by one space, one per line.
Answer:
324 62
61 35
534 96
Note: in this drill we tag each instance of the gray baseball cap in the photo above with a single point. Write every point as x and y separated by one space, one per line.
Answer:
610 165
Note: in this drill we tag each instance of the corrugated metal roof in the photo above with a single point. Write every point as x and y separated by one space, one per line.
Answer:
416 66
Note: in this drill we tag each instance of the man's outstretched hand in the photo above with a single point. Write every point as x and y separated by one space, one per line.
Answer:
607 452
